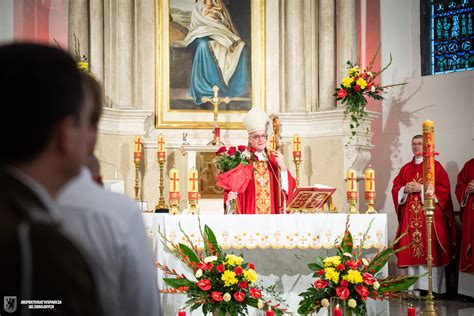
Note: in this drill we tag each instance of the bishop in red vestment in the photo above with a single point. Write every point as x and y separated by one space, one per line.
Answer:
465 196
271 184
407 193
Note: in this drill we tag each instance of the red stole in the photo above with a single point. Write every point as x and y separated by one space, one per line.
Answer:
411 218
249 203
467 218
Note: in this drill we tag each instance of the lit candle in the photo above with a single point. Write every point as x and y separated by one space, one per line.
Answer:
174 180
351 180
369 180
428 160
269 312
193 180
182 313
272 143
137 148
411 311
337 311
296 143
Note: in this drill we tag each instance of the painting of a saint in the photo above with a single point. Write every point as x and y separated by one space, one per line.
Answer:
207 49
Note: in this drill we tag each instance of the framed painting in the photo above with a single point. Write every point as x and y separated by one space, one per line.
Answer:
205 43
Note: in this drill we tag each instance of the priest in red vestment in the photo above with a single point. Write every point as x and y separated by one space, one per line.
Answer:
407 193
271 184
465 196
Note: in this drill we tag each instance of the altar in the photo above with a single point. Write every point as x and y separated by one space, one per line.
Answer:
280 246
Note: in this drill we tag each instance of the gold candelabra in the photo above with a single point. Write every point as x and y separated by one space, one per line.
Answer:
215 100
137 187
430 304
352 201
297 160
161 201
370 200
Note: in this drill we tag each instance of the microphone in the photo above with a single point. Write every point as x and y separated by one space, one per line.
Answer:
110 164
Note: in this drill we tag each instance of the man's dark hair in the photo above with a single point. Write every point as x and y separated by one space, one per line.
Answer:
39 86
93 89
417 136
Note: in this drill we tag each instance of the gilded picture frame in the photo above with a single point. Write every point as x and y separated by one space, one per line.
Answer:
177 78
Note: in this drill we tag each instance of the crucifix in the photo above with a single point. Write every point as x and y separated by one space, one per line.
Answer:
215 100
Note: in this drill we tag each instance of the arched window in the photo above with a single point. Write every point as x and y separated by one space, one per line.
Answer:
447 36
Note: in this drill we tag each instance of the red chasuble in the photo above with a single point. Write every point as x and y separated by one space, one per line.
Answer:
411 216
466 256
261 195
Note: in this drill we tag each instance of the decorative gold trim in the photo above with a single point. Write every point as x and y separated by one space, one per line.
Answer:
258 56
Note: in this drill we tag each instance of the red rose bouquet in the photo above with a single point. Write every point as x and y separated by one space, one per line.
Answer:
220 283
352 278
234 170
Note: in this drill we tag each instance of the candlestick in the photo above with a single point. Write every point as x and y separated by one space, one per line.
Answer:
337 311
429 207
161 143
272 143
269 312
352 194
297 160
137 187
181 313
370 190
411 311
161 206
174 191
296 143
137 148
193 190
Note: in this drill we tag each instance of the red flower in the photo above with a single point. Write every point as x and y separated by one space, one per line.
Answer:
205 266
251 266
363 291
321 272
217 296
238 270
341 267
232 150
221 150
344 283
255 293
341 93
239 296
320 284
242 147
353 265
342 292
357 88
368 278
243 285
204 285
252 150
220 268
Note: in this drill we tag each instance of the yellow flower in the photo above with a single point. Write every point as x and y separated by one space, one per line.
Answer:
353 276
362 83
346 82
331 274
229 278
352 303
332 261
251 275
354 71
234 260
82 65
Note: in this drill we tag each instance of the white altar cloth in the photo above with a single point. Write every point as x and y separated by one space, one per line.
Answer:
305 235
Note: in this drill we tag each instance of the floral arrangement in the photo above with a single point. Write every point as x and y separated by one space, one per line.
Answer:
81 60
356 87
221 283
234 170
352 278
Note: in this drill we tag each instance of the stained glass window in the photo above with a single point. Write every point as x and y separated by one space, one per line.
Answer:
451 35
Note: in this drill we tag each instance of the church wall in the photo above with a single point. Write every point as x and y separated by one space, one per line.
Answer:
446 99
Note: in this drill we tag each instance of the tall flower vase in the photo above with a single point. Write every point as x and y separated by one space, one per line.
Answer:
217 312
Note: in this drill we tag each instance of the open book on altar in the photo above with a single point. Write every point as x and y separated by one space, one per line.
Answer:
310 199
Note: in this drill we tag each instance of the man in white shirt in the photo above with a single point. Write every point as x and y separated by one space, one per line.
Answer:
110 229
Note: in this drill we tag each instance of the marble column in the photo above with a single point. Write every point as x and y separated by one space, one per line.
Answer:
96 55
78 24
346 36
311 24
327 56
144 83
294 65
